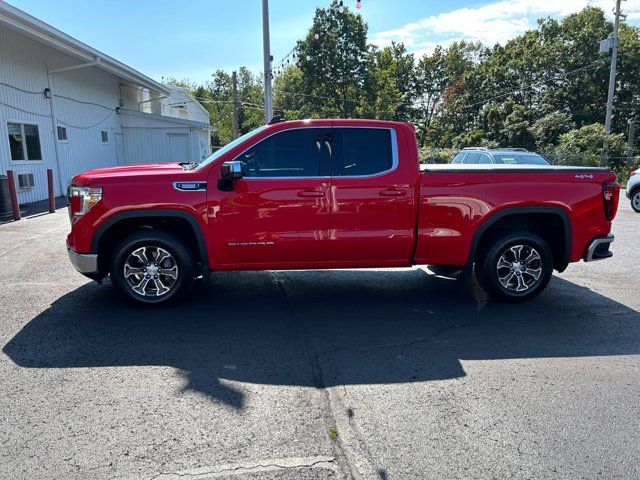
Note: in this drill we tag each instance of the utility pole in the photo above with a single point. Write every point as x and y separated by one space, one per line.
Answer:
632 139
266 51
234 84
612 86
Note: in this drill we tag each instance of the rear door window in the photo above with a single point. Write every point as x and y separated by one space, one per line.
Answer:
363 151
484 159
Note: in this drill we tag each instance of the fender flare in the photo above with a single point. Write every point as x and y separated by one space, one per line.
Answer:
142 214
562 263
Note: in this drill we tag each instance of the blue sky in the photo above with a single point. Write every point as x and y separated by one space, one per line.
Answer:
191 40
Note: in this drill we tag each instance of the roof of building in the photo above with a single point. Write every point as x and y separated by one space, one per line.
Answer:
185 92
164 119
29 26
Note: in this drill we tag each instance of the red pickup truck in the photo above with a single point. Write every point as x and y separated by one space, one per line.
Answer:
316 194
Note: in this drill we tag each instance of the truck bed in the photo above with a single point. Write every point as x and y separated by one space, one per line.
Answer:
456 199
500 168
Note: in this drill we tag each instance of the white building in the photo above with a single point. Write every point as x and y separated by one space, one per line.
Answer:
68 107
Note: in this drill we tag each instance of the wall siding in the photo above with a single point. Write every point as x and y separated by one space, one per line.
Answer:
93 95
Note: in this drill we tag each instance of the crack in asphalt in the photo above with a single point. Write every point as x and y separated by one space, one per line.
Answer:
362 349
346 467
257 466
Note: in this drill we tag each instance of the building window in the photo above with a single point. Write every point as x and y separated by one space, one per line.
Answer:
24 141
62 133
104 135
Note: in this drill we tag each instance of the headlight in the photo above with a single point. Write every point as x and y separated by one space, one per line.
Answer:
82 199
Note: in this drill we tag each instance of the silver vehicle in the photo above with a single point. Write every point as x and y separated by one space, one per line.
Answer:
502 156
633 190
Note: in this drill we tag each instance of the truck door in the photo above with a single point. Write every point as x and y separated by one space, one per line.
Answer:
372 201
277 216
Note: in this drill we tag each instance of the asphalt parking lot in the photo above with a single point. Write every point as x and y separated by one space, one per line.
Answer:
366 374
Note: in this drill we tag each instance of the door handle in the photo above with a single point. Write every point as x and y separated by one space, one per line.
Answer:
310 193
392 193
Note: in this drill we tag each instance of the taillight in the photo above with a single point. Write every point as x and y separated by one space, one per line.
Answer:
632 173
611 195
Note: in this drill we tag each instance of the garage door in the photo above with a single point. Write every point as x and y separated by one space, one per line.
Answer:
178 147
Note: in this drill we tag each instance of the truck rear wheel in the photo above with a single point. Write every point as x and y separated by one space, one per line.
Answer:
514 267
152 267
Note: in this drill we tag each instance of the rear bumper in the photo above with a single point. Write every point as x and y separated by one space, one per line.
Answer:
598 249
85 263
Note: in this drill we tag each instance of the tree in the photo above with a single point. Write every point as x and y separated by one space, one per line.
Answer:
546 130
545 89
583 146
430 82
390 84
332 59
217 97
288 95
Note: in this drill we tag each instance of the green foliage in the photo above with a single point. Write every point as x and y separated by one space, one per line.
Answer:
217 98
332 59
436 155
583 145
547 129
544 90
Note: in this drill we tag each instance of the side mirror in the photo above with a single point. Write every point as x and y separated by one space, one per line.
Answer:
229 171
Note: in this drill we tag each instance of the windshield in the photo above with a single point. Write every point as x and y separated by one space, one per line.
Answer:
519 159
218 153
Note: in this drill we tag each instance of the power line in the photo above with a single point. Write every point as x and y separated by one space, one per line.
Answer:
281 64
57 119
541 82
55 95
41 92
87 127
25 111
83 102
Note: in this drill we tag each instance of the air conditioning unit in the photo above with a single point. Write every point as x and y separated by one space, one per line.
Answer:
25 181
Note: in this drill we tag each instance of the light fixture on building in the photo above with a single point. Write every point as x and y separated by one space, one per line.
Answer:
47 92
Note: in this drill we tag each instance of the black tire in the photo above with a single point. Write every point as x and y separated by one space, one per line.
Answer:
502 248
180 263
635 200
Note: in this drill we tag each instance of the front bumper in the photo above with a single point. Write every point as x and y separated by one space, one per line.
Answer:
598 249
85 263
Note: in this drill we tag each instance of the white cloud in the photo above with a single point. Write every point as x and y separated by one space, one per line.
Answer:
494 22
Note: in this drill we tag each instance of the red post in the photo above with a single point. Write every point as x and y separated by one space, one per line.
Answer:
14 195
52 198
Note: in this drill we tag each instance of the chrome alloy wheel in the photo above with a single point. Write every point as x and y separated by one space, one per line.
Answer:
519 268
151 271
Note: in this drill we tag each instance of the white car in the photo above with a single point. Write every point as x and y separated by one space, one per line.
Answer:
633 190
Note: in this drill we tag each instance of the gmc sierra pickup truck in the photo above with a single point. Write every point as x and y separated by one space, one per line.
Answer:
316 194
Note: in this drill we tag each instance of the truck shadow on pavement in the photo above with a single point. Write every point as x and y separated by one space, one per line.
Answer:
321 329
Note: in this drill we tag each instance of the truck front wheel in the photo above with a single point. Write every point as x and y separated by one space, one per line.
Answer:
514 267
152 267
